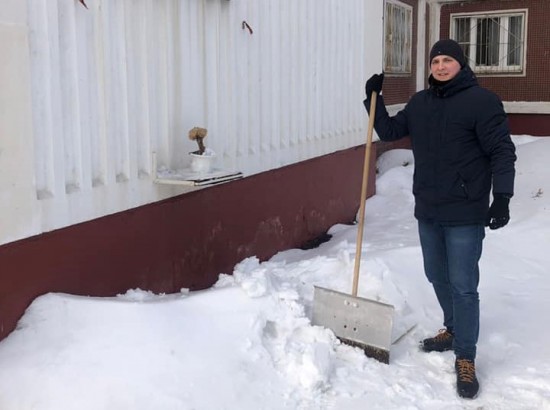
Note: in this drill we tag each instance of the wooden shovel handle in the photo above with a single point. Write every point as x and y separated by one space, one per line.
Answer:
366 168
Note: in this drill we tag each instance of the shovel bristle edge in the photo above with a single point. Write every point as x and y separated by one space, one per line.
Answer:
376 353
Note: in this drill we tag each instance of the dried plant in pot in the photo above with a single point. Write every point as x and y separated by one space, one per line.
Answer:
201 160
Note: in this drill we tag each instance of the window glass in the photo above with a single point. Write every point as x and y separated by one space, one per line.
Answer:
487 42
514 41
397 37
492 42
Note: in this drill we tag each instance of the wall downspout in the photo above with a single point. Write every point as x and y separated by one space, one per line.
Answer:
421 46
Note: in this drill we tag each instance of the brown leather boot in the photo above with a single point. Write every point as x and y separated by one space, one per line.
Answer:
467 385
439 343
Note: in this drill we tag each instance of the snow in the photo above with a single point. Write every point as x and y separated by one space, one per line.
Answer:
248 343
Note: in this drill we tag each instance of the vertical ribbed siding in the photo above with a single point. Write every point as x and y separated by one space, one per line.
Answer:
127 77
43 112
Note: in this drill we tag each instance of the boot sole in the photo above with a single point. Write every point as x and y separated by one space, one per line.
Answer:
468 397
428 350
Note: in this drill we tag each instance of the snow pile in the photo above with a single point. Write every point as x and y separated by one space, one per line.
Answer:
248 343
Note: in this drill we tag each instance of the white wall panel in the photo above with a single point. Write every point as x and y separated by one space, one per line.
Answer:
19 211
112 83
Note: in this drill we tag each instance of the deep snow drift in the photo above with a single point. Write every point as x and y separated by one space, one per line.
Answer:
247 343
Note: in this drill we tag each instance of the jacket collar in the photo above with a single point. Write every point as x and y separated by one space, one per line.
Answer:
464 79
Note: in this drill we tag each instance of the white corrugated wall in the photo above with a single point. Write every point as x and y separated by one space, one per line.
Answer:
274 82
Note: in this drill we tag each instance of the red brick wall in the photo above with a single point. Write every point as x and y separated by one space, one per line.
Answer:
399 88
535 85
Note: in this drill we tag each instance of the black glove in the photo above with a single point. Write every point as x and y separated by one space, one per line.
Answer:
499 212
374 84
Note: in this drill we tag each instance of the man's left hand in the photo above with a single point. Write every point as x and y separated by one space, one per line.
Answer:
499 212
374 84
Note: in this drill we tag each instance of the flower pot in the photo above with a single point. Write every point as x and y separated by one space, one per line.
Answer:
202 163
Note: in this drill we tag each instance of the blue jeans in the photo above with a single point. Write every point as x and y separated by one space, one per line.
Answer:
451 255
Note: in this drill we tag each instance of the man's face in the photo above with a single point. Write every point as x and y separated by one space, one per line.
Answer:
444 68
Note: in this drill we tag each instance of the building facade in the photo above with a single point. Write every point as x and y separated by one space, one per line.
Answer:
95 102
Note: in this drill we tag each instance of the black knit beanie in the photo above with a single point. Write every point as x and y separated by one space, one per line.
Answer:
448 48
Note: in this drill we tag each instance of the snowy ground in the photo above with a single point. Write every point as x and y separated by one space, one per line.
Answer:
247 344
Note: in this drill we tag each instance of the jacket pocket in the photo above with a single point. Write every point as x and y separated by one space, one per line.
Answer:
458 189
477 186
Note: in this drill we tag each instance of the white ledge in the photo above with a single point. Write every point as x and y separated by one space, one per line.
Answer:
187 177
527 107
511 107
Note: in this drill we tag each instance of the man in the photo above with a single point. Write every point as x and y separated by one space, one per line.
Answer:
462 146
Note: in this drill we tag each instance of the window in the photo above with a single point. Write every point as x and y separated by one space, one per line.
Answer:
397 37
494 43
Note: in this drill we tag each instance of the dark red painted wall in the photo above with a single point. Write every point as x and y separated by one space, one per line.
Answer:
530 124
185 241
520 124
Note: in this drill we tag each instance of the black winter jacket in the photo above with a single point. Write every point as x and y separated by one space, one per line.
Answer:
461 145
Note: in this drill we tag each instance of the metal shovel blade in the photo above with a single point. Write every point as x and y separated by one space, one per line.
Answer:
356 321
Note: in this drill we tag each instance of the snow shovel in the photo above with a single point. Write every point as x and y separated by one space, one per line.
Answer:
357 321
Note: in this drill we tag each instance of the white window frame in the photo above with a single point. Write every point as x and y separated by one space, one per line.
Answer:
402 48
470 48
